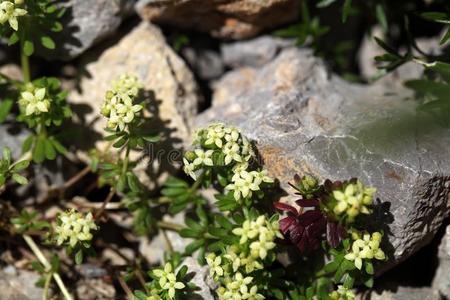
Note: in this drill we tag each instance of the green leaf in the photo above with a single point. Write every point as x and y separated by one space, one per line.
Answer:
175 182
386 47
172 192
58 146
346 10
79 257
28 48
369 268
445 38
7 154
381 17
39 151
13 39
189 233
27 144
21 165
133 182
5 108
38 267
140 295
369 282
325 3
438 89
439 17
152 138
182 272
192 247
122 141
47 42
50 152
19 179
222 221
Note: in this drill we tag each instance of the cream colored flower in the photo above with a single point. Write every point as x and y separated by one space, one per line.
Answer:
73 228
203 157
9 12
215 265
168 280
353 200
366 248
189 168
34 101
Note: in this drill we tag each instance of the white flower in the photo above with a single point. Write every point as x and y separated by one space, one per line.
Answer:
214 135
189 168
243 185
203 157
127 84
9 13
118 106
342 293
214 262
34 101
168 280
353 200
73 228
231 151
366 248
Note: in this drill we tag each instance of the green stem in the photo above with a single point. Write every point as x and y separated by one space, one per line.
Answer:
126 159
170 226
40 256
48 279
197 183
24 59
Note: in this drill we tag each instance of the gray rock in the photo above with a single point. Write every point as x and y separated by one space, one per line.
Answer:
206 63
86 22
253 53
19 285
304 119
200 278
166 78
405 293
441 281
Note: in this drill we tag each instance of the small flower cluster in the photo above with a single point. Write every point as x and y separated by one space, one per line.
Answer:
9 12
244 183
167 281
237 287
366 248
226 147
34 101
342 293
73 228
231 268
119 108
353 200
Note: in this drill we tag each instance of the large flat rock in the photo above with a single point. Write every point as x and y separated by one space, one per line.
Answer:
304 119
235 19
168 82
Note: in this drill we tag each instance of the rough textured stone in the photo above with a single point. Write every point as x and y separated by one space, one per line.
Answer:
405 293
253 53
200 278
19 285
234 19
304 119
142 52
441 281
85 24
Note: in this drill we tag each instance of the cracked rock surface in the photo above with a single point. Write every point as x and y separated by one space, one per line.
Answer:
304 119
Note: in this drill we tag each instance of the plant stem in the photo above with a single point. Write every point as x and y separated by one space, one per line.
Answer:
126 159
47 287
170 226
167 240
197 183
40 256
25 62
125 287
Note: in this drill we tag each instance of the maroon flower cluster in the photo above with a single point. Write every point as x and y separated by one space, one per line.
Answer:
307 227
